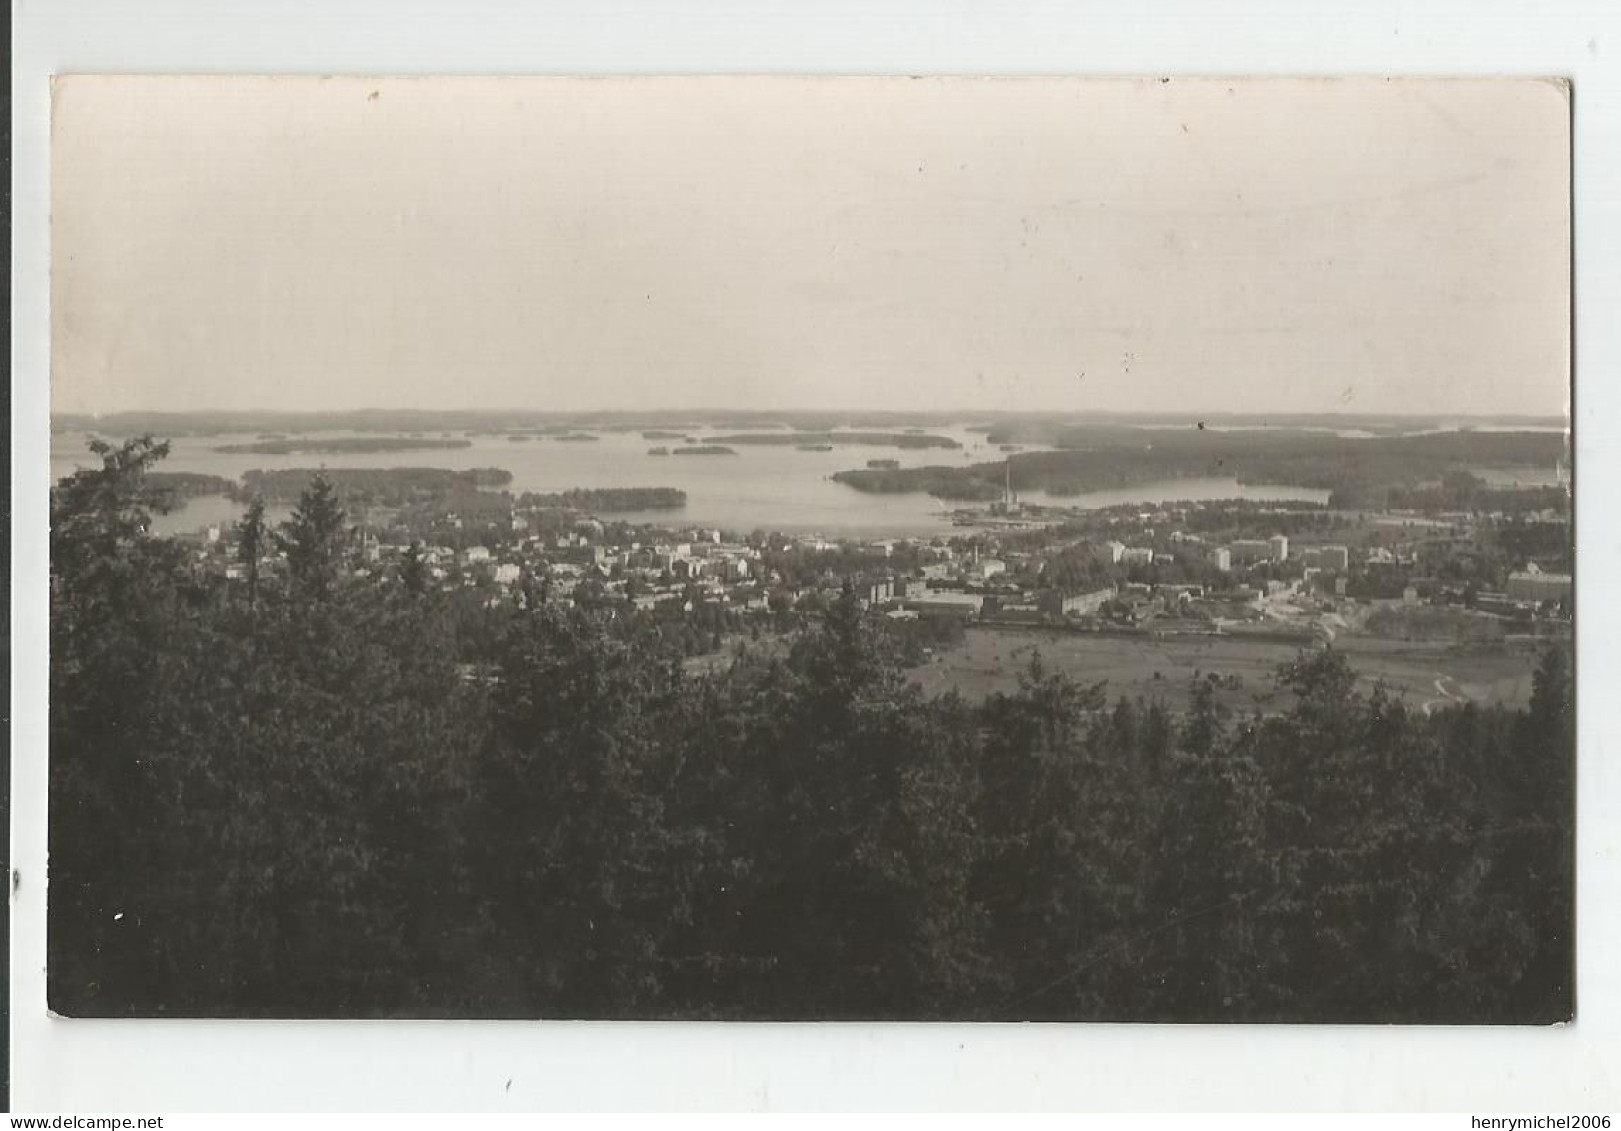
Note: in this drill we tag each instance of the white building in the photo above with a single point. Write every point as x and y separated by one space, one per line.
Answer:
1533 586
1248 551
1059 603
947 603
1336 558
876 592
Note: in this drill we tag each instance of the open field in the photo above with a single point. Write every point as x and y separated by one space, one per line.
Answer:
1425 674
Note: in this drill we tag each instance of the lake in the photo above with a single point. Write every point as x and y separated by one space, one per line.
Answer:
761 487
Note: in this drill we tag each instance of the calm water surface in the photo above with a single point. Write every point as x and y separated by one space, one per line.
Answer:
761 487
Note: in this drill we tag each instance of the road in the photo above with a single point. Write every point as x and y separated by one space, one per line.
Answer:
1445 685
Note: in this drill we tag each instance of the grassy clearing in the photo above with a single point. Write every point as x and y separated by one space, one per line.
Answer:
990 660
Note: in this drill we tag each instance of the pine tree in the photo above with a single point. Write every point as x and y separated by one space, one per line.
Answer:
114 625
251 546
1545 857
413 573
1208 865
312 539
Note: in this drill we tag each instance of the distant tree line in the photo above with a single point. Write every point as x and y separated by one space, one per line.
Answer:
380 486
292 794
173 488
1463 491
1357 472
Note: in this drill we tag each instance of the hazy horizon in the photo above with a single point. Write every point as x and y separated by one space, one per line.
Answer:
836 410
1058 246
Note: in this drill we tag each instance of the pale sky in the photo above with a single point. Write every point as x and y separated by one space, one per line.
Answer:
1034 244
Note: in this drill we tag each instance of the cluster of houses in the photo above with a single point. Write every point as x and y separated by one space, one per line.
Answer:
676 568
1532 586
645 575
1239 553
1525 588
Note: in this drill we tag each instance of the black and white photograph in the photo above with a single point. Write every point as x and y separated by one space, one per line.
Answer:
812 549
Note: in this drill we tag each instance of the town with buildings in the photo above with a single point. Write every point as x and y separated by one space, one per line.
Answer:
1174 569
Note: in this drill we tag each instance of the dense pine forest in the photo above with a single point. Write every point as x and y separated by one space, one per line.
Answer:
291 794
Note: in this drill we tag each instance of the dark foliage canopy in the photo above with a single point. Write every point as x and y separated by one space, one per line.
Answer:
287 795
